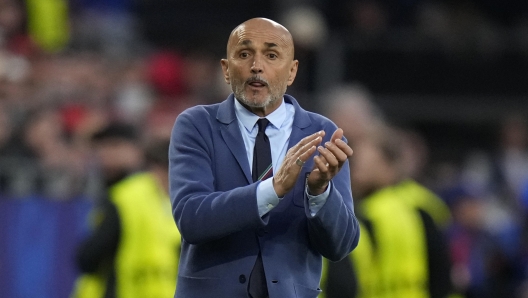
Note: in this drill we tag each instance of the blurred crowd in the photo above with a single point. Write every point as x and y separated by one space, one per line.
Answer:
484 227
52 101
96 68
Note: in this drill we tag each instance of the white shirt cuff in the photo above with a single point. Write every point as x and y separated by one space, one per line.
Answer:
267 198
315 203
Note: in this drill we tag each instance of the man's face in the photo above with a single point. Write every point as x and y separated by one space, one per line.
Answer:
369 169
118 157
259 64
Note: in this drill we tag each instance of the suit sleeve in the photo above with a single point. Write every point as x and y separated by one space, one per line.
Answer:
334 229
201 213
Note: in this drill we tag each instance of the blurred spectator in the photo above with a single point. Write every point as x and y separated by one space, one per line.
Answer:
46 140
109 27
177 82
133 95
166 73
501 173
513 156
7 149
485 256
133 250
42 162
414 159
308 25
486 243
402 252
48 23
310 29
352 108
14 74
203 78
13 35
415 153
6 133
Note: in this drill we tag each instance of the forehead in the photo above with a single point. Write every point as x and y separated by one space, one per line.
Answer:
258 34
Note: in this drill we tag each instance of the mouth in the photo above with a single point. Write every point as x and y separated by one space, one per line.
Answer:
257 82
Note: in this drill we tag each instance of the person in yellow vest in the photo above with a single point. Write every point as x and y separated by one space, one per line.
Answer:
134 249
413 160
421 198
402 252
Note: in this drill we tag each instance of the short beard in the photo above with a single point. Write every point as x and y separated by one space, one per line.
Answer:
273 95
241 95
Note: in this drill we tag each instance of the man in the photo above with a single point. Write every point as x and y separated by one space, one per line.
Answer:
133 251
245 233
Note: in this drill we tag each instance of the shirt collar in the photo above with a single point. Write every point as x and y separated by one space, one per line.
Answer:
248 119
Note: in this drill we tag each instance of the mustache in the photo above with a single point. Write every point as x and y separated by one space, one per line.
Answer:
257 79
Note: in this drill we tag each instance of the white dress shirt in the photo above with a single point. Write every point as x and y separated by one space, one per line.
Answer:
278 132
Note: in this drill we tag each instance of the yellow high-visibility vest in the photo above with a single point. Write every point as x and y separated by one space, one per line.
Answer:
392 261
48 23
422 198
146 262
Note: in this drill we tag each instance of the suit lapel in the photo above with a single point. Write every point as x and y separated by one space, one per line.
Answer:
301 122
232 136
297 135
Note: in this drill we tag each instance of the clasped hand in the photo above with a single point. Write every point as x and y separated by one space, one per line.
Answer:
327 164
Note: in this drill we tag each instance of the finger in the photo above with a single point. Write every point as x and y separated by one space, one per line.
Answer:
336 151
297 151
344 147
305 155
320 164
329 156
306 140
308 146
337 135
322 158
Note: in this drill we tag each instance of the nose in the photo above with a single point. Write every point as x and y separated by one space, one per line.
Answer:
256 68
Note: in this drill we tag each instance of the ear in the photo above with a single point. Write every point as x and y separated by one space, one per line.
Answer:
225 70
293 72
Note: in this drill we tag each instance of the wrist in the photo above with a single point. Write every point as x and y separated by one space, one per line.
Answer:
317 190
279 191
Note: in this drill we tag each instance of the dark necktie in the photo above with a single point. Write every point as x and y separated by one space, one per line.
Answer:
262 169
262 166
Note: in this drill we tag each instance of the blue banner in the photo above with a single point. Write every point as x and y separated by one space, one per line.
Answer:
38 240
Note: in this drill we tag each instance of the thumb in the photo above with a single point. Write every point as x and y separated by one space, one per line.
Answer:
338 134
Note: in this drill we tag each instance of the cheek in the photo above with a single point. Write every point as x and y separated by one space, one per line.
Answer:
288 72
284 76
278 83
235 76
239 68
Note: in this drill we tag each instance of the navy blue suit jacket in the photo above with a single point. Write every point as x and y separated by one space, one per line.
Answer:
214 205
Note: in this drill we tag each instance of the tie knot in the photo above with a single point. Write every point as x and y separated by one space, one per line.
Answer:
262 124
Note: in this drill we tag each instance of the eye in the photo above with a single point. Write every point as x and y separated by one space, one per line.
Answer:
244 55
272 56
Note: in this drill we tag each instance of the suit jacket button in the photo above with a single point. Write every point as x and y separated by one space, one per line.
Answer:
242 278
